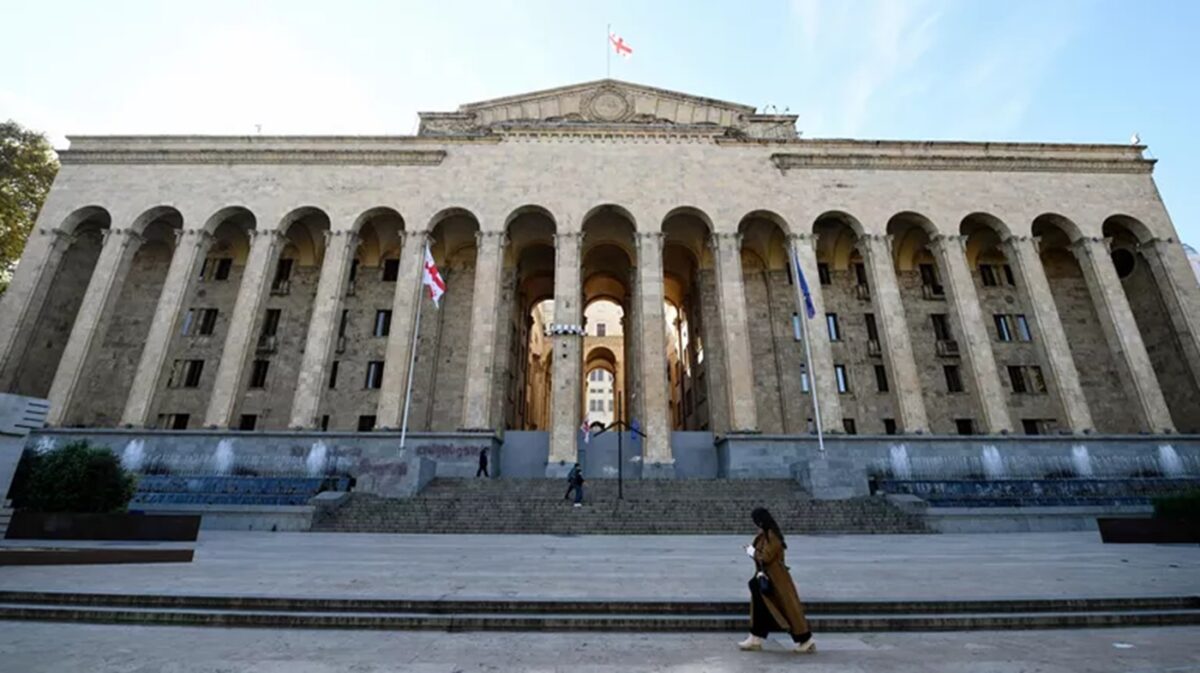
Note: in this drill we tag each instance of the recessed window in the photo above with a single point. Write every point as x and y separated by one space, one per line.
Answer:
797 328
1003 332
258 374
823 273
881 381
1023 332
374 374
601 329
835 330
208 321
889 426
1008 276
843 379
804 383
173 421
987 274
283 272
941 326
849 427
872 328
1124 262
366 423
248 422
1031 426
1037 383
185 374
325 423
333 373
271 322
860 274
383 323
1016 379
391 270
344 323
953 379
965 426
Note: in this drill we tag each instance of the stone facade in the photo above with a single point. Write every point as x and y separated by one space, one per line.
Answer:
977 288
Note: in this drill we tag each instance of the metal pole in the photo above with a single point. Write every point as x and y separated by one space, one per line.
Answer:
802 312
412 361
607 52
620 464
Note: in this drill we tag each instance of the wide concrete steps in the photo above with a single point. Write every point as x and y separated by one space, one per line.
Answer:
588 615
647 508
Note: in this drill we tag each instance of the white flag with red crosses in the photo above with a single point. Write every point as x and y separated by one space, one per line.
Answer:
432 278
620 46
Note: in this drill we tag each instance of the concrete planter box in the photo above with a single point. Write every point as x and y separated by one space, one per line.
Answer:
66 526
1149 531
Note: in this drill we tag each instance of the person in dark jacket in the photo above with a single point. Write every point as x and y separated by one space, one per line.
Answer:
483 464
774 603
575 483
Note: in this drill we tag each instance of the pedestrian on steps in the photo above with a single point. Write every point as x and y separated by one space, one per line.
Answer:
774 603
575 483
483 464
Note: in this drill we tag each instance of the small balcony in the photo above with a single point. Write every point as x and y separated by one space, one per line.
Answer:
947 348
267 343
863 292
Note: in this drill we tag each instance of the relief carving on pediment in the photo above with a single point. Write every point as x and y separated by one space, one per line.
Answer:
607 104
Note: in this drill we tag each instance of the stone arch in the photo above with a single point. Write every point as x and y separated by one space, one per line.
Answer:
380 237
1047 222
985 234
93 216
304 228
530 209
522 379
688 211
837 234
841 217
377 213
911 233
157 214
243 215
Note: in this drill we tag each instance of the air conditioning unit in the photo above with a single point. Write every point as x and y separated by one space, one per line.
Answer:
862 291
947 348
933 291
266 343
874 348
281 287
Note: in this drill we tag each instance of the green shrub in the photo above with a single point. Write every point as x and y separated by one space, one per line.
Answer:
1180 506
76 478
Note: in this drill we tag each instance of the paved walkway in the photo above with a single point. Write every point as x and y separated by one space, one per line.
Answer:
927 567
38 648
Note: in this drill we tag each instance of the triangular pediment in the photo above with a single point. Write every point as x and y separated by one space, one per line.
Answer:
605 102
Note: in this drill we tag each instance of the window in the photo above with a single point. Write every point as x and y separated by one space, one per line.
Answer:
271 322
881 378
344 323
374 374
353 270
987 273
188 319
797 328
208 321
835 332
1016 379
860 274
610 405
953 379
941 326
848 426
185 374
383 323
872 328
823 273
366 423
224 266
1002 329
247 421
1008 276
283 272
391 270
889 426
1037 383
965 426
928 277
333 372
1031 426
804 385
173 421
1023 329
843 381
601 329
258 375
325 423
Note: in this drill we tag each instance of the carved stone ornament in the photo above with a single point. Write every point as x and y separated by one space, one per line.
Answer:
607 104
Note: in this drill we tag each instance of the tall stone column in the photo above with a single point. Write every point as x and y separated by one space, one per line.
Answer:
398 357
190 248
739 369
821 376
893 333
969 324
1180 295
240 341
566 352
1048 331
22 301
1121 330
340 247
656 454
481 359
98 301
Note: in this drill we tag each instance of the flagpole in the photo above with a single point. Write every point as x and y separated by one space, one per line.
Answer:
607 52
412 362
802 312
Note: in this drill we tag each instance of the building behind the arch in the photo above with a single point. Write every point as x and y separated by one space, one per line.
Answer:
1029 296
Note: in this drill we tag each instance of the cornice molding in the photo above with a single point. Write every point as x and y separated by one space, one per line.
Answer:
786 161
355 157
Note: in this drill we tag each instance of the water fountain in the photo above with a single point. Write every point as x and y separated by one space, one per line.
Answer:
993 464
898 459
222 459
134 455
318 459
1081 460
45 445
1169 461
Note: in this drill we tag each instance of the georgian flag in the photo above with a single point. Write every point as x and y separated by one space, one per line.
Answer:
432 278
587 431
618 44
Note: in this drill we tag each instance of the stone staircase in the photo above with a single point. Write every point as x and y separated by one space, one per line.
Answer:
649 507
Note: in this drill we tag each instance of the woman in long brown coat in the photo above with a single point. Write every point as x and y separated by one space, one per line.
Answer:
776 607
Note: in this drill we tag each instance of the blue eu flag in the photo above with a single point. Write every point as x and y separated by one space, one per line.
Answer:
809 309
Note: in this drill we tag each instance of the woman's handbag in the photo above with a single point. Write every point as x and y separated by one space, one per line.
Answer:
764 582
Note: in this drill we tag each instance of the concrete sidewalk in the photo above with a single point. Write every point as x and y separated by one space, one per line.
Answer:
926 567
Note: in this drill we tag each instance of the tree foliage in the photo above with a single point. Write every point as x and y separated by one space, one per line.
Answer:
76 478
27 168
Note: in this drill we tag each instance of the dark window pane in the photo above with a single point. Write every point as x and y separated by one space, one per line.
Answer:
391 270
965 426
247 422
224 266
366 423
1017 379
881 381
889 426
849 427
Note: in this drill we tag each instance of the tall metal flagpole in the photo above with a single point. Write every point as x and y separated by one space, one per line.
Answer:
412 359
802 312
607 52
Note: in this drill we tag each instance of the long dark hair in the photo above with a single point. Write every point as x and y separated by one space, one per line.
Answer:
763 519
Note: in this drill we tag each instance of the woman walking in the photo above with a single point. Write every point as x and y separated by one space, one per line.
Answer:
774 604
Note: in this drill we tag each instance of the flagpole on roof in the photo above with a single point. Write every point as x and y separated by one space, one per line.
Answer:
412 358
802 304
607 52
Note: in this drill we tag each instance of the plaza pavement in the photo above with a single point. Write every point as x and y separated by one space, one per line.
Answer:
54 648
923 567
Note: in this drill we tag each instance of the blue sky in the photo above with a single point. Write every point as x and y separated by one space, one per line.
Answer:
1055 70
